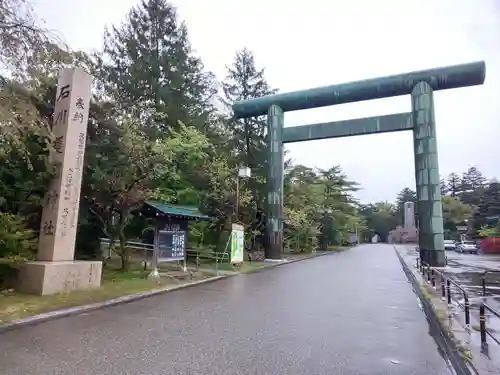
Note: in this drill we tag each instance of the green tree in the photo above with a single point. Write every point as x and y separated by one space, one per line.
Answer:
488 209
319 208
473 179
472 186
25 143
339 213
453 184
245 81
148 65
302 200
455 213
443 186
380 217
121 167
22 34
405 195
490 231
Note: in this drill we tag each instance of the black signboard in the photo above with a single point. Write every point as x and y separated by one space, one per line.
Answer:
171 245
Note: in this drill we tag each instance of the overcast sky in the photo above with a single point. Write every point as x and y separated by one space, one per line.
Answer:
304 44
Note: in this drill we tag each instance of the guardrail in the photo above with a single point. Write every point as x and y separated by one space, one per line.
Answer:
484 280
131 244
484 307
446 283
210 256
199 256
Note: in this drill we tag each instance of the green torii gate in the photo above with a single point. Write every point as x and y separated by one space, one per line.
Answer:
420 85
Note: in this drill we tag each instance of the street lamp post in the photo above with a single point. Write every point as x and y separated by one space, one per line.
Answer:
357 233
243 172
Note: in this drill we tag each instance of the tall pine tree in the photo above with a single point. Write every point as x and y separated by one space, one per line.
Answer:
472 186
244 81
405 195
453 184
443 187
148 65
488 208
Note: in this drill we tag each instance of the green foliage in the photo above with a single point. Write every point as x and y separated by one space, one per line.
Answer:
319 208
88 237
21 34
16 241
405 195
455 212
381 218
122 165
467 200
147 65
245 81
155 132
490 232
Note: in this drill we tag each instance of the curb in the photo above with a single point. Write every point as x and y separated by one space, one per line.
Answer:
442 338
77 310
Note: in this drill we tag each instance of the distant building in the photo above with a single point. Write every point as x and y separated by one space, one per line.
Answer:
404 235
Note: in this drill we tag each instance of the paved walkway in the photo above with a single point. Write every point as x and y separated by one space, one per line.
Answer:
351 313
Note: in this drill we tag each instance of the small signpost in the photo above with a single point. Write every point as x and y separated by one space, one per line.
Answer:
170 235
462 229
237 243
171 246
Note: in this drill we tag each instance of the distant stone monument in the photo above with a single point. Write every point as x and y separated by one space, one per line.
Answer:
408 232
55 270
409 215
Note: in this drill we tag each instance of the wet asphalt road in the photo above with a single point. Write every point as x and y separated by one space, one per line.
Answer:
467 269
352 313
473 262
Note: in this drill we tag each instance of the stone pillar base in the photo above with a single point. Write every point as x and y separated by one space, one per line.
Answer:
44 278
434 258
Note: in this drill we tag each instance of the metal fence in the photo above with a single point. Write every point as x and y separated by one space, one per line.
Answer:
451 291
197 256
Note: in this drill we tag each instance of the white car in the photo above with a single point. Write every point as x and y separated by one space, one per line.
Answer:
469 247
450 245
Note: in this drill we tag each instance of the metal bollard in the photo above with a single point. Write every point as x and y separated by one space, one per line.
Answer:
448 291
443 289
433 278
467 310
429 273
482 325
483 284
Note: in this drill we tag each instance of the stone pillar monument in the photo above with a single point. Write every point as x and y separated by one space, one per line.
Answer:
409 215
55 270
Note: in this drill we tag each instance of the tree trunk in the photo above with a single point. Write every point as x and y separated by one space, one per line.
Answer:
124 253
111 243
123 244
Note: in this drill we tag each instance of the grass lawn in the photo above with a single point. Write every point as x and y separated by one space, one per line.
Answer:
15 305
245 267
